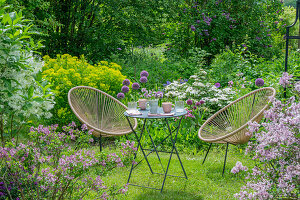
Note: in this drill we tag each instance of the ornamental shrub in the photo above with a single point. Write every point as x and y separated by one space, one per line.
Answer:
217 24
276 153
49 167
66 72
24 95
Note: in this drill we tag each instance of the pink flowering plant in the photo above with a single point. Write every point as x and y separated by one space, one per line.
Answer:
276 154
48 166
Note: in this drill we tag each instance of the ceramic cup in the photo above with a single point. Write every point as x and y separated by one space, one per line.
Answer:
179 106
153 106
167 107
143 104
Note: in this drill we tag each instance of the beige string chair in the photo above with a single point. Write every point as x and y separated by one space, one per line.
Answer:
229 125
100 111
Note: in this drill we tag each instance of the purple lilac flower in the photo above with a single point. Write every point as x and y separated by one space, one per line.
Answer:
189 102
125 89
193 28
285 79
143 79
135 86
126 82
259 82
238 167
144 73
217 85
159 94
201 101
120 95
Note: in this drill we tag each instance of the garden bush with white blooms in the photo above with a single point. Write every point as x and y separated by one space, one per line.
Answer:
24 95
276 151
198 88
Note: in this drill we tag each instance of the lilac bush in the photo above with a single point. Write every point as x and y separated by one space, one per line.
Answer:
49 167
276 152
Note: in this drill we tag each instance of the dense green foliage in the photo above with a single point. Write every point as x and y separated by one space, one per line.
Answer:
97 28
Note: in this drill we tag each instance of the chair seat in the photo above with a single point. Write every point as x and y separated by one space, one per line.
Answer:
100 111
229 125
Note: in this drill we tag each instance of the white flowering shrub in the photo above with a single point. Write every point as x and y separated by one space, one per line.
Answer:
197 88
23 93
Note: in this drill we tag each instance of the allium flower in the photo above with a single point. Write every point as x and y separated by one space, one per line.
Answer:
197 103
143 79
125 89
259 82
194 107
201 102
135 86
189 102
144 73
217 85
126 82
120 95
193 28
144 90
285 79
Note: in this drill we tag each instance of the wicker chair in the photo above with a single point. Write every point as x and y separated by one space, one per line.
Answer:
99 111
229 125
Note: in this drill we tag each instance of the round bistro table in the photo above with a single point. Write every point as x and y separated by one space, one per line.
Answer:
170 134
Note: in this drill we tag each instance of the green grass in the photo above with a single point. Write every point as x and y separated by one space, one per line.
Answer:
204 181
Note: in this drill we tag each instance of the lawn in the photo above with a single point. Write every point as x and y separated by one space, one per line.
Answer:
204 181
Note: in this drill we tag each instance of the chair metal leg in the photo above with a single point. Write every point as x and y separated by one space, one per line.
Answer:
206 153
100 143
225 159
126 137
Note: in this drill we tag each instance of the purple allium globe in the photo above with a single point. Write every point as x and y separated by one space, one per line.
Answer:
143 79
125 89
120 95
126 82
197 103
189 102
217 85
201 102
259 82
144 73
195 107
135 86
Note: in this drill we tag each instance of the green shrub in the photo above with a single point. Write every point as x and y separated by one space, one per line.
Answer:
66 72
24 95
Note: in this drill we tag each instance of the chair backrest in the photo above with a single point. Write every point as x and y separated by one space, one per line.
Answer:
230 123
99 111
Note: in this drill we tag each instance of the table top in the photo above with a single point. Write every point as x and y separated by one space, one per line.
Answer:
144 114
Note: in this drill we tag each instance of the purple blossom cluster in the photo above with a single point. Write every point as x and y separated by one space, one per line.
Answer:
50 166
238 168
277 152
285 79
